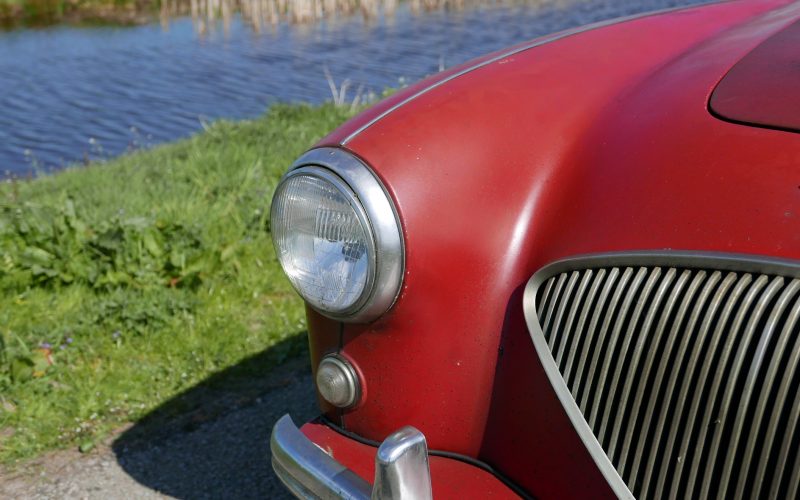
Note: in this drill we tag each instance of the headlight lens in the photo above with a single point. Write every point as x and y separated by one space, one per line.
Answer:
323 240
337 236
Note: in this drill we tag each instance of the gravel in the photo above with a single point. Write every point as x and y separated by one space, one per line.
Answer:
224 458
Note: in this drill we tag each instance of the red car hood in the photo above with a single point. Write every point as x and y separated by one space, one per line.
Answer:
598 139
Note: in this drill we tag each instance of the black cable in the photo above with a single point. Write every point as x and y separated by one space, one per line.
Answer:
437 453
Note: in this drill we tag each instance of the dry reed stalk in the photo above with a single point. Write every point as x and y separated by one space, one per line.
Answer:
260 13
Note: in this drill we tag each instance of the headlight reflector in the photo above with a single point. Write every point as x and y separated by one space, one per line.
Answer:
323 239
337 236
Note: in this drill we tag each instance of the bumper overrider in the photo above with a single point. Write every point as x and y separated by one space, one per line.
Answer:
401 467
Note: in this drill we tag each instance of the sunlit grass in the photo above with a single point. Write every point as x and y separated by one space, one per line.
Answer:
101 318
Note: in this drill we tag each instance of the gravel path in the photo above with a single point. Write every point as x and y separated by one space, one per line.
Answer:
224 458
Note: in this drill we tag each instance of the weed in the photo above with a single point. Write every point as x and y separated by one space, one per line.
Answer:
126 282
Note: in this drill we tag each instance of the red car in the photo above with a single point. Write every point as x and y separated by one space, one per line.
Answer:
564 270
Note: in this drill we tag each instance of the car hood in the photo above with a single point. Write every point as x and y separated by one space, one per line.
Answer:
606 125
762 88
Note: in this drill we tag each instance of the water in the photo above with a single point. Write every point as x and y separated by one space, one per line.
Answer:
75 94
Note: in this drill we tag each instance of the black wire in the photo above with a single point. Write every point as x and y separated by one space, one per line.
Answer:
437 453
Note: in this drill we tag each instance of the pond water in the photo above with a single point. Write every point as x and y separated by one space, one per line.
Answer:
74 94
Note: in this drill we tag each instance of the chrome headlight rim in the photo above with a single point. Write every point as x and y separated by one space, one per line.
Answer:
373 202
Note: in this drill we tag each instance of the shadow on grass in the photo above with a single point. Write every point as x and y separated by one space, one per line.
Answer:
212 441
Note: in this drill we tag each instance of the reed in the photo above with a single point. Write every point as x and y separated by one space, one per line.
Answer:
263 15
339 93
258 14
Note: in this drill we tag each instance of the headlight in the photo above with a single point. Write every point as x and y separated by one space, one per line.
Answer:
337 236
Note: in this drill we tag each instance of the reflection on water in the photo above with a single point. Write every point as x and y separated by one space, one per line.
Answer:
70 95
260 14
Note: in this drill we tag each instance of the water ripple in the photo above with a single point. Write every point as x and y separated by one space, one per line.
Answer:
61 87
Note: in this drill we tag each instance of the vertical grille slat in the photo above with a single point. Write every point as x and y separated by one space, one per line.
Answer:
633 372
795 479
783 457
579 330
546 295
551 306
716 385
659 381
567 330
596 317
686 376
769 381
714 346
679 424
611 354
739 433
555 329
738 364
601 338
670 457
617 416
780 403
647 368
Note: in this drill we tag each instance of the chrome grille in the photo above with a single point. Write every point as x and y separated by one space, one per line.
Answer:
683 368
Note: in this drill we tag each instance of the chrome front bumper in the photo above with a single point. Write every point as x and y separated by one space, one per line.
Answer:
401 467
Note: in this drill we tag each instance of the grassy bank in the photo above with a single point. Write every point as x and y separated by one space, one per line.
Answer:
123 284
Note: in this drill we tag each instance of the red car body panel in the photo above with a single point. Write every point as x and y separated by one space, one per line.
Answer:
596 142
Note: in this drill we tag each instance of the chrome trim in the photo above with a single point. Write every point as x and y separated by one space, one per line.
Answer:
401 467
402 471
536 43
708 295
309 472
382 218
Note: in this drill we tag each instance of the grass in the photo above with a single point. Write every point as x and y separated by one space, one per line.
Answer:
124 283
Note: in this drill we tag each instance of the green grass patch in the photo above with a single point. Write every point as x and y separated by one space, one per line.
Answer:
123 284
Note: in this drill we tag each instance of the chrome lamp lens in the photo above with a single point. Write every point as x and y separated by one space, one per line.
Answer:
337 237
